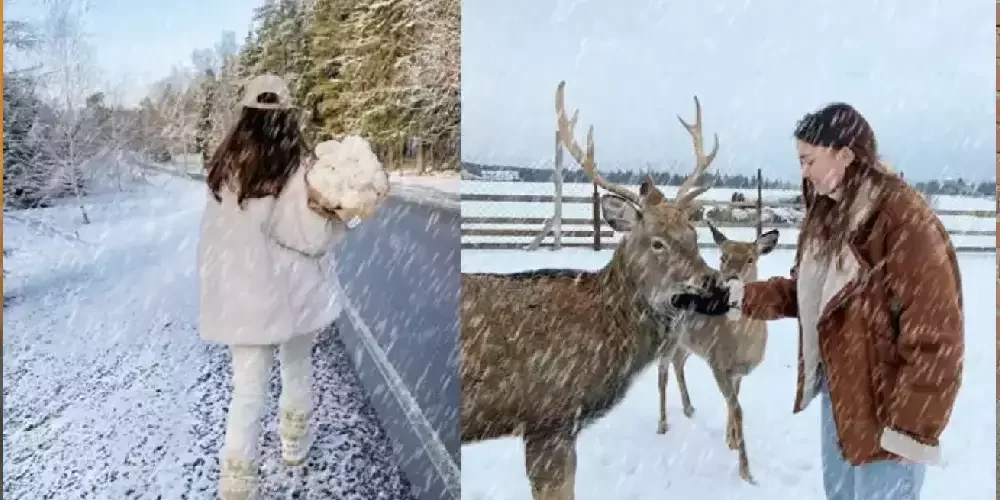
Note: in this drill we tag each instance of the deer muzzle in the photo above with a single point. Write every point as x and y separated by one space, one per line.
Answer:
705 282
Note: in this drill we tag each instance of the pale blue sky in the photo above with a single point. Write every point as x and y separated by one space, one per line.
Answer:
920 70
138 41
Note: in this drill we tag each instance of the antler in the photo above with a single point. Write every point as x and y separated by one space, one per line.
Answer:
687 190
586 162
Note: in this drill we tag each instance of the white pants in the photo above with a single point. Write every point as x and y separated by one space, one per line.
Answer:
251 374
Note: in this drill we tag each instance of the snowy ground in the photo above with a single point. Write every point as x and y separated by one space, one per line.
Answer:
437 189
622 457
109 392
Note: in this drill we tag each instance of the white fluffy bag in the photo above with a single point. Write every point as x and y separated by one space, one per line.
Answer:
347 179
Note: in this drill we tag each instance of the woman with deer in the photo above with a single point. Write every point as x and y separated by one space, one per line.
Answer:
877 293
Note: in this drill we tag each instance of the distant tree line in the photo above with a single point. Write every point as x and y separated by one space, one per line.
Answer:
958 186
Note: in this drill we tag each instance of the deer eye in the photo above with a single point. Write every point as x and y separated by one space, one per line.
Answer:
658 244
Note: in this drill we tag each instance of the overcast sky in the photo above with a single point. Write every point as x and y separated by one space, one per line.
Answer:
920 70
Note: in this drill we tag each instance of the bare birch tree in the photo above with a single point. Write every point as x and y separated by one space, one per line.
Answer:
69 60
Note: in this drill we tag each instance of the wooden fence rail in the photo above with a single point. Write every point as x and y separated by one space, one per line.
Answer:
545 198
601 237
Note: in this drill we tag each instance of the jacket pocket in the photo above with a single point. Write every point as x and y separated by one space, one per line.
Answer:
878 380
885 367
895 312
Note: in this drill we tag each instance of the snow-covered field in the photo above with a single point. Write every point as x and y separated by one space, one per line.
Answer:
585 211
622 457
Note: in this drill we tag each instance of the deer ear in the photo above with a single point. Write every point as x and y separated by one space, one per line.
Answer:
767 242
693 211
619 213
651 195
716 234
647 185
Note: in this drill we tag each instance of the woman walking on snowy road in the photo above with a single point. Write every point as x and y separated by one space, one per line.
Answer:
878 296
274 210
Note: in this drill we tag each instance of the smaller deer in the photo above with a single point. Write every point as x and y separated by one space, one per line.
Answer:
732 348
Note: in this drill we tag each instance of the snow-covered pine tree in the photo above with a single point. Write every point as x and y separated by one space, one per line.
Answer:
227 96
383 99
436 69
322 81
282 39
249 56
203 133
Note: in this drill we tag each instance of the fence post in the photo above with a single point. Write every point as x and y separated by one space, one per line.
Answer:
557 196
760 202
597 219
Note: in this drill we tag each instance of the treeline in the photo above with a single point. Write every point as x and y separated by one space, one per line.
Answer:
385 69
388 70
728 181
959 187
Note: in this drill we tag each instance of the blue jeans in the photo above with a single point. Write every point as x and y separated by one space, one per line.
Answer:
883 480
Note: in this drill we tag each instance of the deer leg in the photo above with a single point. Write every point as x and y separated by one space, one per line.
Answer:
550 459
728 386
680 359
662 376
731 438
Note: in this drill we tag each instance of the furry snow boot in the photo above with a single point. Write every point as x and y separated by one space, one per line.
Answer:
238 480
296 437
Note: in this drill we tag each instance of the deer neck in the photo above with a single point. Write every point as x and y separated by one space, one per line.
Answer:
622 298
755 330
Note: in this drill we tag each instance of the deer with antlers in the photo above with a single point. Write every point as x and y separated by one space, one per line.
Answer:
732 347
547 352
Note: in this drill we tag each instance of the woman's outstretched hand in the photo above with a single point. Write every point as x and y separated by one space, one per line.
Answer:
716 301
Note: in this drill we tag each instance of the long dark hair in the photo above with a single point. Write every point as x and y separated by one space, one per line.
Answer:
828 221
259 154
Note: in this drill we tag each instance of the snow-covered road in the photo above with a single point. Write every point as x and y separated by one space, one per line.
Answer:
109 393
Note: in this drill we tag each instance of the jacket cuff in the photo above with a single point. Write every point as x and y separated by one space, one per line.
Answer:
905 446
736 289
